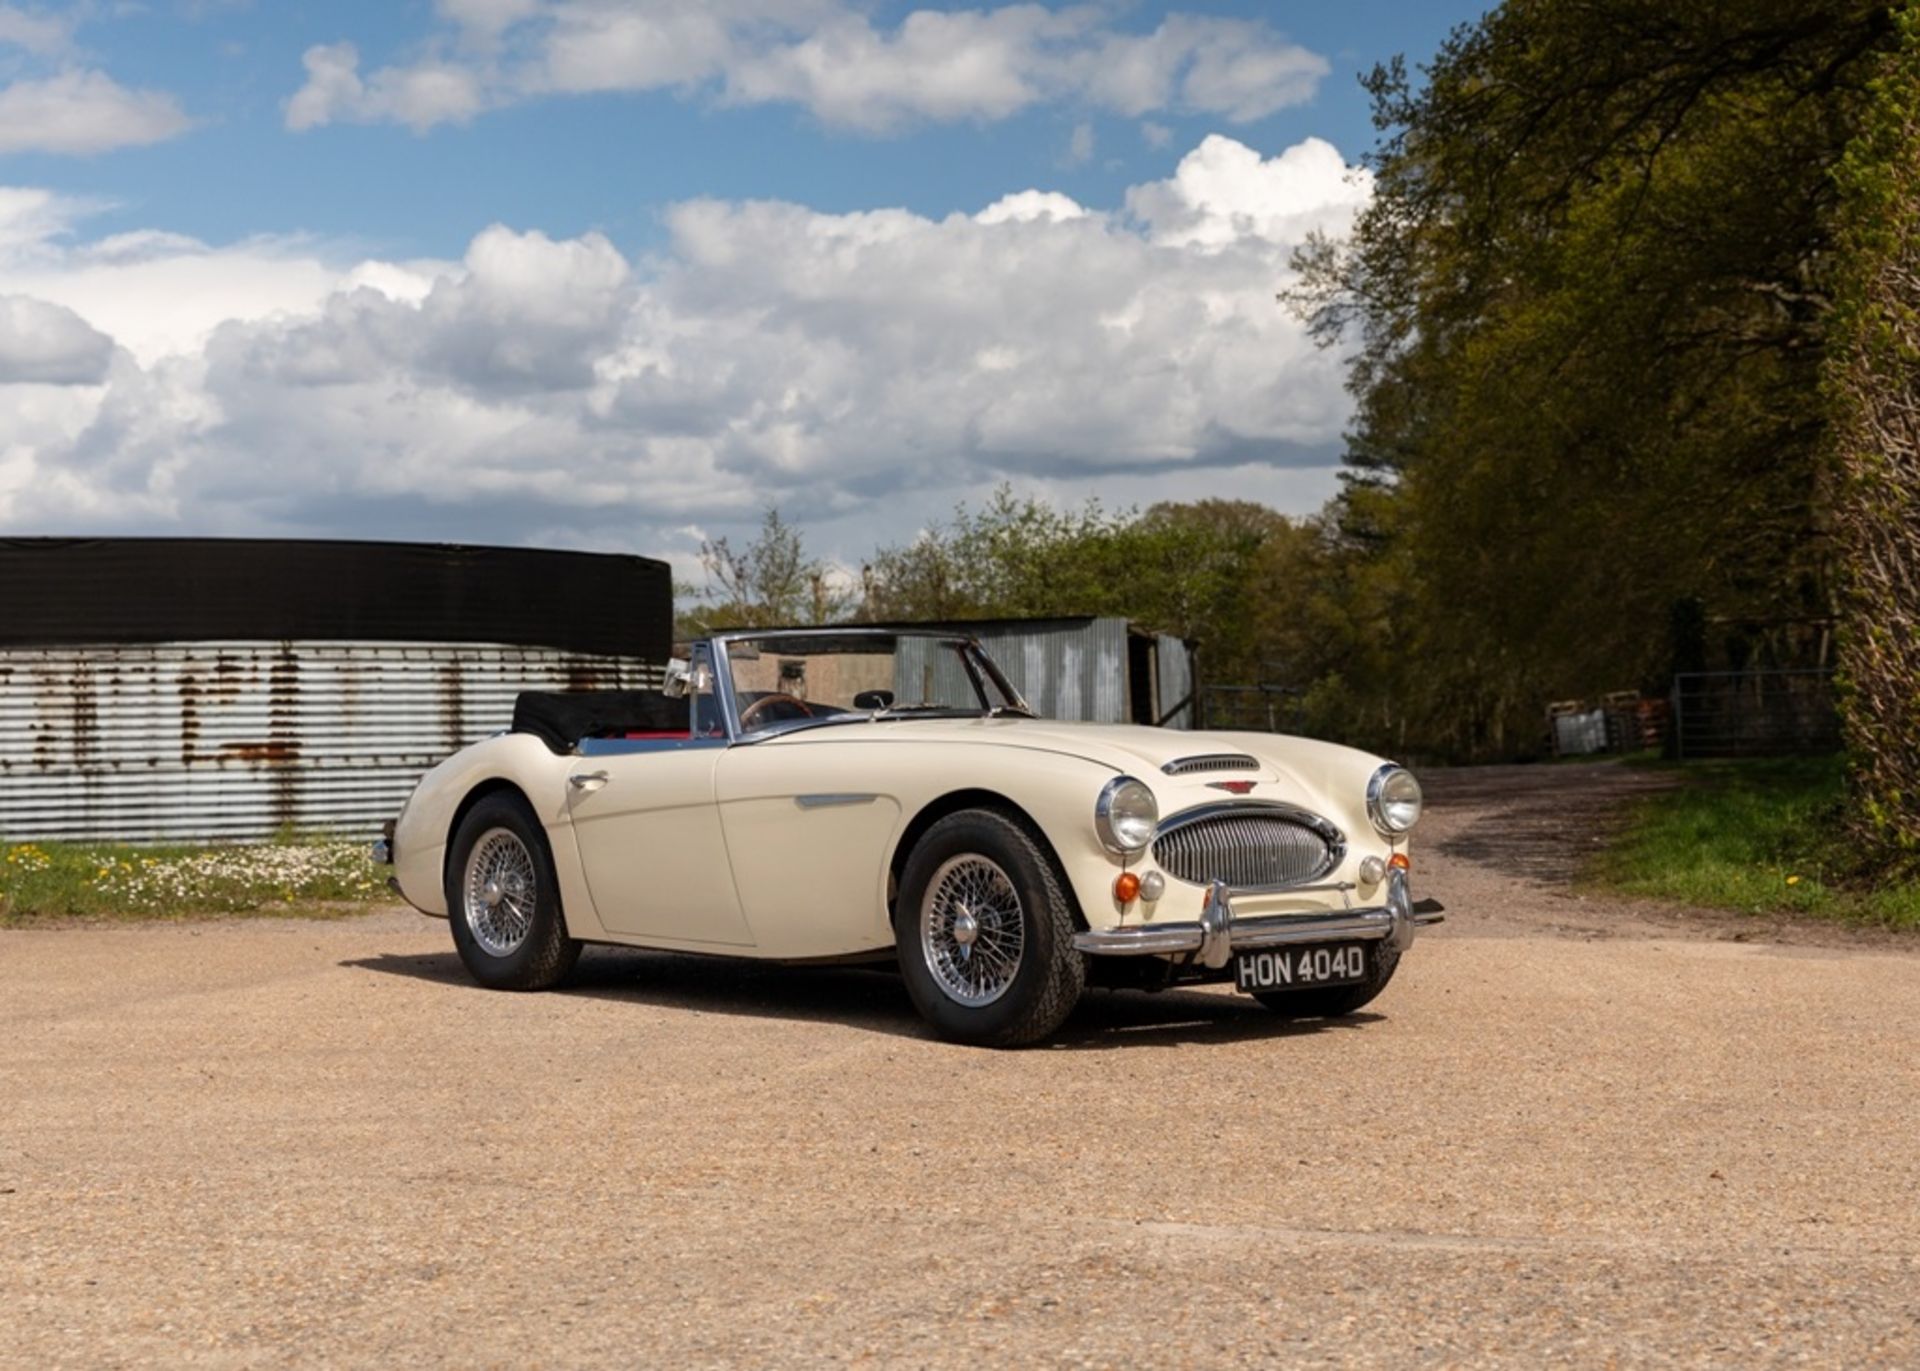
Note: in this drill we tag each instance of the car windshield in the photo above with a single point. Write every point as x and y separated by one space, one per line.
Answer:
784 682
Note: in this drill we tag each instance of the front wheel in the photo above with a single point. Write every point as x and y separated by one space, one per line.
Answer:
503 899
984 930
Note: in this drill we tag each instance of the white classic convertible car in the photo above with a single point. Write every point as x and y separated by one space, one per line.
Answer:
839 795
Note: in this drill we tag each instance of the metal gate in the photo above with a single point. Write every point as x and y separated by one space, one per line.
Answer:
1754 713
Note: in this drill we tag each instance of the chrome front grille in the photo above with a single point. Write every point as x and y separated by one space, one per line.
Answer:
1211 761
1250 847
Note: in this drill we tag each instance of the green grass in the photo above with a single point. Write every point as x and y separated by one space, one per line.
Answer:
1760 836
46 881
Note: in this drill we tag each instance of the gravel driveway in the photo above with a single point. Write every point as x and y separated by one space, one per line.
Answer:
1572 1131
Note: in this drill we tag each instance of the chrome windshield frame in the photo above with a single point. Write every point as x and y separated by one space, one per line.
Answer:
974 657
712 653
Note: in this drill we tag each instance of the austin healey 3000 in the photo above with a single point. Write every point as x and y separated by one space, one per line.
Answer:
849 794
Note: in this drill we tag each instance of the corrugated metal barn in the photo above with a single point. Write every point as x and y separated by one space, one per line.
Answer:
1101 670
200 689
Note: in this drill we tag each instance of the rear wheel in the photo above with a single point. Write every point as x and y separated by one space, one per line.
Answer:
1336 1000
984 930
503 900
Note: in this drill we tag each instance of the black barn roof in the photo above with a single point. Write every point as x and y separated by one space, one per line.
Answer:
63 591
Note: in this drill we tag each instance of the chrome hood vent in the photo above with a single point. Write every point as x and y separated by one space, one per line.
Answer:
1211 761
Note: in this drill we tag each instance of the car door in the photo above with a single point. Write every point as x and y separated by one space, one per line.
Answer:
650 840
809 824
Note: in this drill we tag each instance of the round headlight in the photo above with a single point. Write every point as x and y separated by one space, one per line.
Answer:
1393 800
1125 815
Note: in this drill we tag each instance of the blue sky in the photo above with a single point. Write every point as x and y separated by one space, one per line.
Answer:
200 197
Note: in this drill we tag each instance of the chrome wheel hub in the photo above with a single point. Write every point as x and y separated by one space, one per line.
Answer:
499 890
972 930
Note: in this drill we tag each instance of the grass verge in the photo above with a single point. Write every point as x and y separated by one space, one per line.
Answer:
45 881
1760 836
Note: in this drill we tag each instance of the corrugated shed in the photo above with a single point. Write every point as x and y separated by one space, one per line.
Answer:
1174 677
1064 667
238 740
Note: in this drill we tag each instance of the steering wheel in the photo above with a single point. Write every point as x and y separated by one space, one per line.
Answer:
752 711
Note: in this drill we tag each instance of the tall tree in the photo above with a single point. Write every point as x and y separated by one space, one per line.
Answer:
1184 569
1590 299
770 582
1874 385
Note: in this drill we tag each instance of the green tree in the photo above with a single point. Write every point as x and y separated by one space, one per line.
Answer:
770 582
1874 387
1178 568
1590 299
1014 557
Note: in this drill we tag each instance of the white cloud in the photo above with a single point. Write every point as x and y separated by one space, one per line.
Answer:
827 56
162 295
48 344
1224 192
1028 205
83 111
1080 145
856 368
43 35
32 221
419 96
487 18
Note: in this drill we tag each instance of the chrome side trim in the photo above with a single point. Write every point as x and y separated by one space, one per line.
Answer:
1211 761
827 801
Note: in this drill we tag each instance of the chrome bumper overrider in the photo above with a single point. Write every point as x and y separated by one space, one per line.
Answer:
1216 935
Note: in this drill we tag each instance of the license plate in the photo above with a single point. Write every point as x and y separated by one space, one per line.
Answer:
1301 968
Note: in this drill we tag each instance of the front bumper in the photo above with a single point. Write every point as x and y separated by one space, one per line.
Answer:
1217 935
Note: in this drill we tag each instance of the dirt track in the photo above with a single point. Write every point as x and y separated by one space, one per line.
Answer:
1572 1131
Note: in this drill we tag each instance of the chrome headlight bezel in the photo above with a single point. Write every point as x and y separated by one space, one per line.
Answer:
1119 814
1386 809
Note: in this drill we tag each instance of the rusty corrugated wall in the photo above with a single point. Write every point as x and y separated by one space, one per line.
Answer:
239 741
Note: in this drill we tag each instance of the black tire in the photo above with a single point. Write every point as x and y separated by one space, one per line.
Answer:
1050 973
543 954
1331 1003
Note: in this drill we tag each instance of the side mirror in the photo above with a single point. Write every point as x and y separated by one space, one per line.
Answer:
675 684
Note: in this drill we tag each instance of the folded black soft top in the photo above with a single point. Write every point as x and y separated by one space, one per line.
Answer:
562 719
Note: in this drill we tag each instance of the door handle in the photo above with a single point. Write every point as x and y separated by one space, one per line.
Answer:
587 780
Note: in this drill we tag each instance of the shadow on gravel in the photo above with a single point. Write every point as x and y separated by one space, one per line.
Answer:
874 999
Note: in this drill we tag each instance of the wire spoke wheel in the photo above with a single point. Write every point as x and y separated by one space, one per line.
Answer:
973 932
499 891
